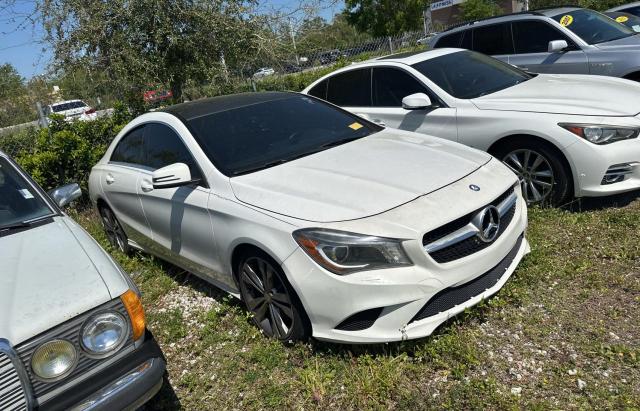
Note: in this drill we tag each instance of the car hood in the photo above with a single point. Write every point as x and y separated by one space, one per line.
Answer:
629 43
359 179
47 278
567 94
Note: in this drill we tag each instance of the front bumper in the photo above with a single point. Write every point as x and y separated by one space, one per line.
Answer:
385 305
126 384
591 162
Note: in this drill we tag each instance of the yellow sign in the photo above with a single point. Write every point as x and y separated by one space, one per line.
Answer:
566 20
355 126
622 19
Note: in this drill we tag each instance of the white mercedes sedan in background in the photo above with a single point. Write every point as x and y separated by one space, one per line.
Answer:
323 223
563 135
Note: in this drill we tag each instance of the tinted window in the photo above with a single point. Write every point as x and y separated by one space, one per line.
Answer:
632 10
129 149
450 40
18 200
391 85
534 36
67 106
493 40
467 40
164 147
467 74
593 27
246 139
320 90
629 20
350 89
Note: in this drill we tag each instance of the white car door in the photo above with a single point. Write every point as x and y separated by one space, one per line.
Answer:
178 217
119 181
389 86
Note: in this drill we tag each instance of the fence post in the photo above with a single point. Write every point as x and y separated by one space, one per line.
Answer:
42 122
390 44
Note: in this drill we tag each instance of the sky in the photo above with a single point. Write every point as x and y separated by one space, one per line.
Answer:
21 42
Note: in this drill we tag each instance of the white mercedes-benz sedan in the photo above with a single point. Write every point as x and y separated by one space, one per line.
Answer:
564 135
323 223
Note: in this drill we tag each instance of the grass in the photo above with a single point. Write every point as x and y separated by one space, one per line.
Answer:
564 332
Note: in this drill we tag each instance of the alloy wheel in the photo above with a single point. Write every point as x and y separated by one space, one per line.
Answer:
266 296
115 234
535 174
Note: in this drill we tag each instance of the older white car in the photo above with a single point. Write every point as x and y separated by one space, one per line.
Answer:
563 135
72 110
325 224
72 327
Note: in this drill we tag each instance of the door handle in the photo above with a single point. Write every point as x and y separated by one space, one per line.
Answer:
109 179
146 186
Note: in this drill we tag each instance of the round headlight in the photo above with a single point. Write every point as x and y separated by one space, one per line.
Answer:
54 359
104 333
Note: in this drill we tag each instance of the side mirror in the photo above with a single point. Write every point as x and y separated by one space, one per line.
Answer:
557 45
418 101
173 175
64 195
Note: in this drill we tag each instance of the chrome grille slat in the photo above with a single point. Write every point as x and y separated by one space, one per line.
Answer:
68 331
458 238
12 394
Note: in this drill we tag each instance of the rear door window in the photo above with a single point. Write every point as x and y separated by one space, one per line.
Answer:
450 40
493 40
319 90
350 89
130 148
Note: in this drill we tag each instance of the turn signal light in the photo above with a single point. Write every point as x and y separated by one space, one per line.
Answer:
132 303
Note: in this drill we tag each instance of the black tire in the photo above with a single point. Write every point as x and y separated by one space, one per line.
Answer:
276 309
541 168
113 229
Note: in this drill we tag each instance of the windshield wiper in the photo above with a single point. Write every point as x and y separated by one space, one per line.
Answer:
24 224
339 142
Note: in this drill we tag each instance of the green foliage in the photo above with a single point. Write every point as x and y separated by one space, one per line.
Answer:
64 152
479 9
385 17
600 5
15 105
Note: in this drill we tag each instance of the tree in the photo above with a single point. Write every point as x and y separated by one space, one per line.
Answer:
385 17
479 9
15 105
143 43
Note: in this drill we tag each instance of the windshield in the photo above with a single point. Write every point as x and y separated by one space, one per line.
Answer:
250 138
67 106
467 74
19 202
629 20
593 27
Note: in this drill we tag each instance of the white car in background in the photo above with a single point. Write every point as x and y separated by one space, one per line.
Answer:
563 135
324 224
72 110
72 327
264 72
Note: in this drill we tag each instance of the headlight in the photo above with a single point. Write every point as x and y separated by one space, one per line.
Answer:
104 333
54 359
601 134
342 253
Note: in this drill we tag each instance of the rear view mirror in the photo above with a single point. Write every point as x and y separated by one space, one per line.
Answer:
64 195
418 101
173 175
557 45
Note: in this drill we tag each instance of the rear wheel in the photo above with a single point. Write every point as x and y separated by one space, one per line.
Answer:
544 177
114 231
266 293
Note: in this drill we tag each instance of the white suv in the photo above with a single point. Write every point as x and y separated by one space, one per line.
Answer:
72 110
564 135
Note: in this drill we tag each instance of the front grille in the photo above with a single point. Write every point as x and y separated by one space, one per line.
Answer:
360 321
12 395
450 297
69 331
468 245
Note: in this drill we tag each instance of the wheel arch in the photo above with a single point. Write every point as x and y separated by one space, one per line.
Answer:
633 75
528 138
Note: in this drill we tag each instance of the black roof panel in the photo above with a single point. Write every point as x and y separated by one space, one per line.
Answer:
205 106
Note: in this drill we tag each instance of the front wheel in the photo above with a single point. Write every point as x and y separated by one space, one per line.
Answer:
543 176
266 293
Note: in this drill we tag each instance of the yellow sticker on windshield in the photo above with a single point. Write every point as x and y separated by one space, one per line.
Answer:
356 126
622 19
566 20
